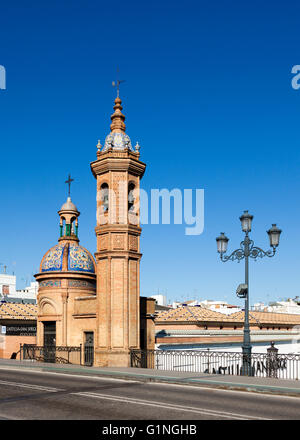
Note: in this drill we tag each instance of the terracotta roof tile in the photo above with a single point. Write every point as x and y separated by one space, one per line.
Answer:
18 311
191 314
269 318
196 314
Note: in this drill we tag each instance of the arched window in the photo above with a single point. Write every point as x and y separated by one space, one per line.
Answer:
74 226
61 226
104 197
131 198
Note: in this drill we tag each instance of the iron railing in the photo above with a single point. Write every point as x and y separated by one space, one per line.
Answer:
270 364
88 355
53 354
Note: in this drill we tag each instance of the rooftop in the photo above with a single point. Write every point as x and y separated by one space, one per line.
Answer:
18 311
197 313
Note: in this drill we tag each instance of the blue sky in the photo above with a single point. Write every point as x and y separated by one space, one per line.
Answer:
208 96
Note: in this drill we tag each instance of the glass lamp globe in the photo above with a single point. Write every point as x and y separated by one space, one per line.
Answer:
274 235
246 220
222 242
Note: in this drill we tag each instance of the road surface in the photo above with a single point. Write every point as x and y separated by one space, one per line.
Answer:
33 395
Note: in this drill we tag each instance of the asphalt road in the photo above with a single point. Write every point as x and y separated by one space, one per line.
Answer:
36 395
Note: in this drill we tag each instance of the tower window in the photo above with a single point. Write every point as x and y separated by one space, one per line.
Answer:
104 196
131 198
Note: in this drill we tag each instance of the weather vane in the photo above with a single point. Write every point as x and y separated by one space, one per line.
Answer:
117 83
69 183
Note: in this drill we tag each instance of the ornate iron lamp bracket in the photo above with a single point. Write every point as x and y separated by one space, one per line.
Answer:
238 254
256 252
248 249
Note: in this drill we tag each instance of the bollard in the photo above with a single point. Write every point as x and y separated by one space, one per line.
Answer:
272 361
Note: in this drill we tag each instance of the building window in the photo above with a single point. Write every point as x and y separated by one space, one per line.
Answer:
131 198
5 290
104 196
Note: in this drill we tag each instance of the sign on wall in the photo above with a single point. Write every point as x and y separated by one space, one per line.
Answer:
20 330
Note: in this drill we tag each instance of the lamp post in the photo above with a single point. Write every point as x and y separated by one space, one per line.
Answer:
247 250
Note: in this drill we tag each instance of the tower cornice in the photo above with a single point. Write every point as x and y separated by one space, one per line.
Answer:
112 161
117 227
118 254
65 275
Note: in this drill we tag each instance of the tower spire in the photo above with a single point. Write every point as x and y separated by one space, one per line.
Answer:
117 118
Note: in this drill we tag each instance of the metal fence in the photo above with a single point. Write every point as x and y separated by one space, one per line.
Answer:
270 364
88 355
62 355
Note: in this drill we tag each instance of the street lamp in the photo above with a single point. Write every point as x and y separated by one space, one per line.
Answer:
247 250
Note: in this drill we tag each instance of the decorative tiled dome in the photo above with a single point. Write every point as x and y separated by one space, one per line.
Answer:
117 141
77 259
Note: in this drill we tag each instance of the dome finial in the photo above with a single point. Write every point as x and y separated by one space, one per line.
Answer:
117 118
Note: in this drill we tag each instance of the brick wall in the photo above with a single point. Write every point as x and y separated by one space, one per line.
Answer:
11 344
85 306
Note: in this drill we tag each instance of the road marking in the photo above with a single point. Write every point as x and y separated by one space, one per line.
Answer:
165 405
74 376
203 411
212 388
222 390
31 386
227 415
195 387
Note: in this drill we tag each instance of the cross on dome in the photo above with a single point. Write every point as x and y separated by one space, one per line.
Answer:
69 181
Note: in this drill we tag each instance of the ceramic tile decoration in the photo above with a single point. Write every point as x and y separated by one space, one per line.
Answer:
82 283
117 141
53 259
79 259
50 283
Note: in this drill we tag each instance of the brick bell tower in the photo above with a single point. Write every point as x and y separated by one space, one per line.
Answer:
118 171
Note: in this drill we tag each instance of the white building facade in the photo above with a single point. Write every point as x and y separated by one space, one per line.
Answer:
8 290
289 306
7 285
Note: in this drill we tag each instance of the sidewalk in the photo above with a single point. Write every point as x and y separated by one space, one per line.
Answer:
254 384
